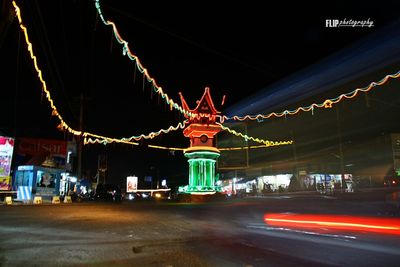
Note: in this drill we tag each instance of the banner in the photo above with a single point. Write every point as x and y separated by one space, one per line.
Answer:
6 153
41 152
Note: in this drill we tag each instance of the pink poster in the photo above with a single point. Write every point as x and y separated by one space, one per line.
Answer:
6 152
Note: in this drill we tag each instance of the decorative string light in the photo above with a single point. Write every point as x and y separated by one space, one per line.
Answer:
98 139
325 104
328 103
267 143
127 52
167 148
87 135
106 140
63 125
241 148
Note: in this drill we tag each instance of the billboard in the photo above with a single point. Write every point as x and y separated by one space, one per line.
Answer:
131 184
6 153
42 146
32 151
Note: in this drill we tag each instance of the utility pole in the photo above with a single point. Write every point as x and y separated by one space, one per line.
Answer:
294 151
339 129
80 139
102 168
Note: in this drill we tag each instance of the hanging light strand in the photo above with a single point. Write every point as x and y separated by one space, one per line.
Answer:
127 52
104 139
63 125
91 138
325 104
241 147
267 143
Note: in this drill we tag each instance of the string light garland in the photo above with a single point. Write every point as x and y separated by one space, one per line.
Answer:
328 103
167 148
267 143
87 135
90 138
63 125
241 148
127 52
325 104
105 140
98 139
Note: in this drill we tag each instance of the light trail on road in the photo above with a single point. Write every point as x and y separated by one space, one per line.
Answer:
336 222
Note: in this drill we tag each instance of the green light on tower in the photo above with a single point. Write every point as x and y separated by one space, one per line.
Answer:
202 154
202 172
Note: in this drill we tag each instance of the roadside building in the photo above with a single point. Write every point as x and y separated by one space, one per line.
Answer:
341 146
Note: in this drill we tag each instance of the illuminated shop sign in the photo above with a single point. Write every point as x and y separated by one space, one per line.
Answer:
131 184
42 146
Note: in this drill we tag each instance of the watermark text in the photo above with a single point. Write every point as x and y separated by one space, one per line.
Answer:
336 23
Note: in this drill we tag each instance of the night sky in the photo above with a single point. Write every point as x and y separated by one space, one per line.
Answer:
235 49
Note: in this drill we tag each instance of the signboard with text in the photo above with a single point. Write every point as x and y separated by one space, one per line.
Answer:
35 151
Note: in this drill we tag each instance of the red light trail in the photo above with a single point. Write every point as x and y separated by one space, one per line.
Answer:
336 222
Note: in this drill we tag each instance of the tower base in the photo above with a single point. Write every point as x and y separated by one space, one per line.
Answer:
201 172
195 198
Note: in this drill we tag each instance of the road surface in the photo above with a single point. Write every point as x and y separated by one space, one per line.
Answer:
223 233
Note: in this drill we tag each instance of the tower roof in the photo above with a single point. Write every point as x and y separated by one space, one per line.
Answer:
204 106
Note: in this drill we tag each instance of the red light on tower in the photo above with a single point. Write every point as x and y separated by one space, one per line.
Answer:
202 153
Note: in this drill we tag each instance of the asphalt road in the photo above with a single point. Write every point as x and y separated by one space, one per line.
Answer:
224 233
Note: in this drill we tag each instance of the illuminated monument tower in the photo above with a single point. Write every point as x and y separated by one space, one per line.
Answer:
202 153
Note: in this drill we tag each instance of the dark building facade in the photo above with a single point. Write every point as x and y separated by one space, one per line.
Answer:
358 136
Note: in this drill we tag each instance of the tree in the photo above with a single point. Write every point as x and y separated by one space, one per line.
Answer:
294 184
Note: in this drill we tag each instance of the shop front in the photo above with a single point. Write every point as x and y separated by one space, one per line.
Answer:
325 183
30 181
275 183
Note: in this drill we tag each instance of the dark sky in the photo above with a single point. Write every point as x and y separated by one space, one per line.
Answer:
235 49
